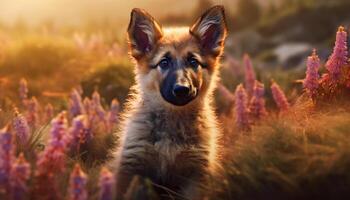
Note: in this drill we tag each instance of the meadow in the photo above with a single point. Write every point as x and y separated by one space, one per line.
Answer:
285 134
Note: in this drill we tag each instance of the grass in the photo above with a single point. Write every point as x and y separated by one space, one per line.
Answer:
297 156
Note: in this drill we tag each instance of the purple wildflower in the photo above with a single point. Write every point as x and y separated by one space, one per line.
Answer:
311 81
23 89
78 132
77 184
21 128
241 110
49 112
339 56
52 159
279 97
257 103
6 157
20 174
75 104
33 108
106 184
87 105
113 114
249 75
98 117
96 103
58 127
90 113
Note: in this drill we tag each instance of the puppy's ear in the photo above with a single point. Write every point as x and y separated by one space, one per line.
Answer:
143 33
210 30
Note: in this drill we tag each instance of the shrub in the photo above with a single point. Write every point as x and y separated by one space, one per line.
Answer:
112 80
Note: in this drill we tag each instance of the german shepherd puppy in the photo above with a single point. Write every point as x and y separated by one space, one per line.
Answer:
169 130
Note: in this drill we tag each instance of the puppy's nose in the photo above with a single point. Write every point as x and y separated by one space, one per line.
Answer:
181 90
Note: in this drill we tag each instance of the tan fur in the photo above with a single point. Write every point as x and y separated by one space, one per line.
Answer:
174 146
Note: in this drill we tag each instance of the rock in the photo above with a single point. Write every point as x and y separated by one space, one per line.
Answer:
291 55
247 41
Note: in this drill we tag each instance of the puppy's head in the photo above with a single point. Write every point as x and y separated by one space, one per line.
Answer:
176 65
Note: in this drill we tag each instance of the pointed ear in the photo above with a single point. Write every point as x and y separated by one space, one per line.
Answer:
143 33
210 30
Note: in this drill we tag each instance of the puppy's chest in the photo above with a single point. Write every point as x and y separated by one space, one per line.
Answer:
176 130
178 144
175 138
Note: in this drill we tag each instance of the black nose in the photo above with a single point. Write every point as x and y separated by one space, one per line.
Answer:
181 91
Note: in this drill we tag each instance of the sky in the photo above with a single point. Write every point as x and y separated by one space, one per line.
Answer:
75 11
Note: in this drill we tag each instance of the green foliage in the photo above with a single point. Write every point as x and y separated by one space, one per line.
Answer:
111 79
40 59
26 56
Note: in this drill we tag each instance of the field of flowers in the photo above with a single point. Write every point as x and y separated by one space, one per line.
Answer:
57 137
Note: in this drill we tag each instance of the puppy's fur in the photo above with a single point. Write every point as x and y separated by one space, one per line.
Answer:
166 136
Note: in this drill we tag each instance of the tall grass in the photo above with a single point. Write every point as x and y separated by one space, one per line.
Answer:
298 156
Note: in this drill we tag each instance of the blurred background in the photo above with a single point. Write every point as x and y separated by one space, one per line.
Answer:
60 44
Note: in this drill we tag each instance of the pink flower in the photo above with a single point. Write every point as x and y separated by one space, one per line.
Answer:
87 105
78 132
33 108
339 56
20 174
96 103
90 112
98 117
21 128
23 89
76 106
77 184
49 112
6 157
279 97
257 103
241 108
249 75
311 81
59 127
52 160
106 184
113 114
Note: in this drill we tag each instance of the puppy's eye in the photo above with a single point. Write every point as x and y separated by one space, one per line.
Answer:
193 62
164 63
